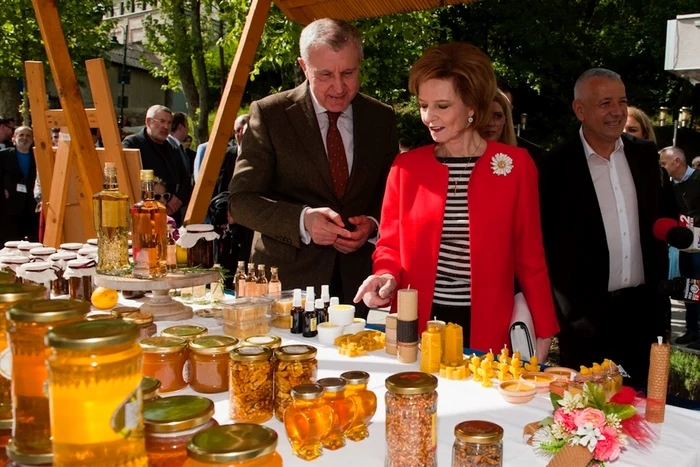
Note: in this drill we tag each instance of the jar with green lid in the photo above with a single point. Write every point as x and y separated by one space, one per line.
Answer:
411 420
478 443
165 359
144 321
239 445
189 332
94 394
170 423
150 388
28 323
308 421
264 340
344 410
293 365
10 294
250 384
209 358
17 459
100 315
365 403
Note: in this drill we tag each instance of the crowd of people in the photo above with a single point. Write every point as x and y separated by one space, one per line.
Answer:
317 182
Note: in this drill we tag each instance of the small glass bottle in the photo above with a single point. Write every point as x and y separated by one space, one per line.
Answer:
250 384
239 445
240 280
320 312
171 260
365 403
148 223
310 325
326 297
79 274
478 443
293 365
250 281
261 281
111 219
165 359
344 411
297 313
308 421
209 362
275 286
144 321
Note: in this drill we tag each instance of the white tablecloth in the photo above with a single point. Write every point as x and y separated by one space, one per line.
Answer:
678 445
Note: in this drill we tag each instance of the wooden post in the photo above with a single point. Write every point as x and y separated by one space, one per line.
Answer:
56 198
228 109
43 147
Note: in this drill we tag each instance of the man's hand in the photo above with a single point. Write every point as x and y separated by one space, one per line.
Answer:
173 205
324 225
376 291
364 226
542 349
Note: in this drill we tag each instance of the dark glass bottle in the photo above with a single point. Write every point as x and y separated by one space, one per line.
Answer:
310 321
297 313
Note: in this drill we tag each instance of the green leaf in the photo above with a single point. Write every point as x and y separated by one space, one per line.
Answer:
555 398
595 395
546 421
623 411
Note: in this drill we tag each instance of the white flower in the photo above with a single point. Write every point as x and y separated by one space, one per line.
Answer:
558 431
501 164
570 402
589 436
613 420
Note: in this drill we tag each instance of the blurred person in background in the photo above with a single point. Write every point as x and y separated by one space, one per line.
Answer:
639 125
500 127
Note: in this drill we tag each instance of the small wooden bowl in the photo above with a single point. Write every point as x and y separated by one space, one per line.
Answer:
517 392
560 372
559 387
539 379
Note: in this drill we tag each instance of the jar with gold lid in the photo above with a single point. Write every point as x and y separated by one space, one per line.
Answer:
150 388
28 323
478 443
293 365
25 248
60 263
12 263
164 358
79 273
411 413
94 394
99 315
122 311
144 321
198 239
18 459
365 403
209 358
270 341
305 436
170 424
189 332
38 273
250 385
10 294
239 445
343 411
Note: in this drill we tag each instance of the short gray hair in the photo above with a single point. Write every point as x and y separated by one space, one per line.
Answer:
675 152
331 33
22 128
695 161
151 112
593 73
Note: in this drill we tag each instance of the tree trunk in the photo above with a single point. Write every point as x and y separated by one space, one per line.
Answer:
202 130
10 98
222 61
184 58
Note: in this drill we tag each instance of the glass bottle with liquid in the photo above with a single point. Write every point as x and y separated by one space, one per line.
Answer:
275 286
261 281
149 221
321 312
344 410
171 257
297 313
365 403
250 281
111 219
240 279
308 421
310 323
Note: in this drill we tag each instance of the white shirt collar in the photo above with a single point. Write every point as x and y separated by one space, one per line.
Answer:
174 141
319 109
589 150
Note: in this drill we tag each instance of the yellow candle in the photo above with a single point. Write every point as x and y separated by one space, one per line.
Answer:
454 348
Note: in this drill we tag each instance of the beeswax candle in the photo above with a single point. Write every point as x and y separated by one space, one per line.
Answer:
454 348
431 350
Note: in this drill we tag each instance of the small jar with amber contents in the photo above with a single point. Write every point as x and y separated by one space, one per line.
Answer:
198 239
478 443
239 445
60 263
170 423
79 273
164 358
293 365
270 341
343 411
365 403
12 263
308 404
209 359
250 384
144 321
189 332
38 273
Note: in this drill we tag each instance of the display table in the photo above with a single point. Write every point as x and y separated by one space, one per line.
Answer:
678 445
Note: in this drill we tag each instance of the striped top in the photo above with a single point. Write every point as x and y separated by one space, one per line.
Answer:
453 281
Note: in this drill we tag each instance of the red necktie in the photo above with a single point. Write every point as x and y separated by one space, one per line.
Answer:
336 154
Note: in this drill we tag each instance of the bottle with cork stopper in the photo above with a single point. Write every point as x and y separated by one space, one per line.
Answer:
240 279
275 286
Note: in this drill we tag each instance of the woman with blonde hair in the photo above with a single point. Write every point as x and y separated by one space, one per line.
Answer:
500 127
639 125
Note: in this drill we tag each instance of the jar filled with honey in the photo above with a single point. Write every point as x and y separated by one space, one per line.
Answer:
343 411
38 273
6 277
121 311
189 332
250 384
199 241
144 321
79 273
239 445
150 388
60 263
365 403
12 263
10 294
308 421
270 341
95 396
170 423
17 459
28 323
293 365
165 359
209 359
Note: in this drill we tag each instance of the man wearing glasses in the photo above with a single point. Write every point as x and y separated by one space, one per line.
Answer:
163 158
7 129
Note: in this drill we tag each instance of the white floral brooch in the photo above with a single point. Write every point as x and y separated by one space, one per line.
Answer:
501 164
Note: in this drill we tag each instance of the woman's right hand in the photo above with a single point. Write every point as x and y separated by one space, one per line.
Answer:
376 291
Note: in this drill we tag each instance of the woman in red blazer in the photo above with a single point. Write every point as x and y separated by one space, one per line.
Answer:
461 217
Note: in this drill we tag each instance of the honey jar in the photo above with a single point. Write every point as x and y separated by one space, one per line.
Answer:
121 311
250 384
10 294
150 388
100 315
209 358
26 247
199 241
365 403
6 277
17 459
60 263
38 273
170 424
71 247
293 365
27 324
94 394
478 443
41 253
308 421
343 411
239 445
13 263
189 332
270 341
79 273
144 321
165 359
11 248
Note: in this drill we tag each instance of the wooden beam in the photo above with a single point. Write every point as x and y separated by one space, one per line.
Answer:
298 15
55 204
57 118
43 145
228 109
302 3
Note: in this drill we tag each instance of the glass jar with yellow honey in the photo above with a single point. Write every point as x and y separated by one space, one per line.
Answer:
28 323
170 423
250 384
144 321
150 388
17 459
95 394
308 421
209 360
270 341
121 311
293 365
79 274
365 403
239 445
60 263
189 332
165 359
343 411
10 294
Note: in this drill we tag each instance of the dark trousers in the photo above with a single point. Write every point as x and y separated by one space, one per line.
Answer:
27 227
345 297
455 314
689 264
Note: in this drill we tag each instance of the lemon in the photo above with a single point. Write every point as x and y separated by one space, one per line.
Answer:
104 298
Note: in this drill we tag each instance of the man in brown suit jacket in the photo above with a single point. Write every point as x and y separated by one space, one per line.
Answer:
311 175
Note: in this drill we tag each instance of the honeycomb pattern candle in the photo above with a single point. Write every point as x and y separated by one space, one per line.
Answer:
431 350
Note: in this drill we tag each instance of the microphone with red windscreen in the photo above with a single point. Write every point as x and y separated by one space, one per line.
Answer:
683 238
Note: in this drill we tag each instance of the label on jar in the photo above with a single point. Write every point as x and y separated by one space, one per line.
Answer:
186 371
6 363
127 416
